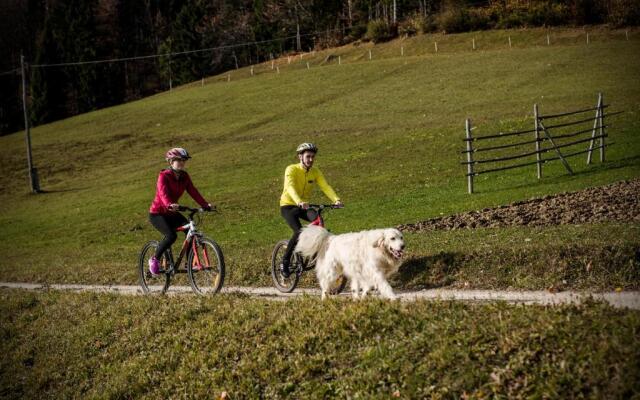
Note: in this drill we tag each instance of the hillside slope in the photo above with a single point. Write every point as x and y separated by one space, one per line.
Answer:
389 131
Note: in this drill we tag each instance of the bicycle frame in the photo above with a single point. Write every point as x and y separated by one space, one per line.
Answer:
319 221
189 244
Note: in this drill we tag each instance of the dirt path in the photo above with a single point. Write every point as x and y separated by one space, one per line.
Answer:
616 299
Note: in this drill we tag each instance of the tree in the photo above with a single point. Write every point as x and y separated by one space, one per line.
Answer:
47 90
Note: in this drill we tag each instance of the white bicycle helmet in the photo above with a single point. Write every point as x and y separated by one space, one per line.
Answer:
177 152
307 147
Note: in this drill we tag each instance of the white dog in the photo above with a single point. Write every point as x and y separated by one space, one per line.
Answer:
367 258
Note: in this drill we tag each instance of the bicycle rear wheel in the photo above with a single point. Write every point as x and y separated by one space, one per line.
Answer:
285 285
206 267
153 283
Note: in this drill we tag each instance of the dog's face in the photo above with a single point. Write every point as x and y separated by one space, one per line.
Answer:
392 241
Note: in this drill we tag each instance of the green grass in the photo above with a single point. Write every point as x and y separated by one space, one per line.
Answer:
62 345
390 135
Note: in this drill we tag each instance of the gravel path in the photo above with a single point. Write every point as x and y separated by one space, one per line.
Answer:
616 299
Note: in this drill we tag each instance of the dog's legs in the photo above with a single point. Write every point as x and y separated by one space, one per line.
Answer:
383 286
365 290
355 288
321 274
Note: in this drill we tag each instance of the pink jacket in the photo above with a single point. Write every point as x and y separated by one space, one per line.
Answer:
169 189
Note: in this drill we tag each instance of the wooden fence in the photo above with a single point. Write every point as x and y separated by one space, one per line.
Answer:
543 141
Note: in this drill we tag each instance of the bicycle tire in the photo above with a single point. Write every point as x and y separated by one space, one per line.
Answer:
206 272
284 285
152 284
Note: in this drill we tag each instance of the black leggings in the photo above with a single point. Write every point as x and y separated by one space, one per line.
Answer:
293 215
167 224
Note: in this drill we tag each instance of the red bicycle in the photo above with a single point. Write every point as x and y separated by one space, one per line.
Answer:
204 261
298 263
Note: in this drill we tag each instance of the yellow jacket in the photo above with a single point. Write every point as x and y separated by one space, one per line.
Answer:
298 184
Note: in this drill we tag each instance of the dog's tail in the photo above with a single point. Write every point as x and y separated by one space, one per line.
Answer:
312 241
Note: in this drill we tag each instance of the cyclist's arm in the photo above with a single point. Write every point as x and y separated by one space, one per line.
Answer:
326 188
195 195
289 185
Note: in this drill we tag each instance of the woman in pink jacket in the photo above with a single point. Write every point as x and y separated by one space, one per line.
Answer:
163 213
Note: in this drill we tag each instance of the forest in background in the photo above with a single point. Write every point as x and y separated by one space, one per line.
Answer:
242 32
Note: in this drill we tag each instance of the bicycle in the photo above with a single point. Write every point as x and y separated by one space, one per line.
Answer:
204 261
299 264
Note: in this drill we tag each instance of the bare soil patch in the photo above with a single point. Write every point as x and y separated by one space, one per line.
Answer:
616 202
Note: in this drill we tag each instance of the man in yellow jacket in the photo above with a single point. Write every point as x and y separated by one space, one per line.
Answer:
299 180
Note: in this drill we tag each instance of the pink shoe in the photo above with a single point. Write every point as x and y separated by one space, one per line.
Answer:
154 266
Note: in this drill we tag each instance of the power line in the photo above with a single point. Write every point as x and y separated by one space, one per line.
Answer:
13 71
113 60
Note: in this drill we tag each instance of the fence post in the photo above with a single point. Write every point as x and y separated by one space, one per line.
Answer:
595 128
509 41
601 122
537 128
469 156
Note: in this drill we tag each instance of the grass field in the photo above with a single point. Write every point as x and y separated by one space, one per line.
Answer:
62 345
389 131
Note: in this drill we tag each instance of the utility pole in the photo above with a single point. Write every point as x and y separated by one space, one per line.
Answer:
33 173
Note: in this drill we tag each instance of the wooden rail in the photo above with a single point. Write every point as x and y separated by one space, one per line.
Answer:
543 124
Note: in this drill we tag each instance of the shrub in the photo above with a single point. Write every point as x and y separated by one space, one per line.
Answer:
514 19
547 14
479 19
453 20
624 13
358 31
416 24
379 31
460 19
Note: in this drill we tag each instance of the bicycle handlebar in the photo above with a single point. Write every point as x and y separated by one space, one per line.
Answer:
193 211
323 206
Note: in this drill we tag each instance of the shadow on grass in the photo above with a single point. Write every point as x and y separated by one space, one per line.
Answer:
42 191
429 272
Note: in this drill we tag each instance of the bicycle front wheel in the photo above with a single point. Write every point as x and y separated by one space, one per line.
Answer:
285 285
151 283
205 267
